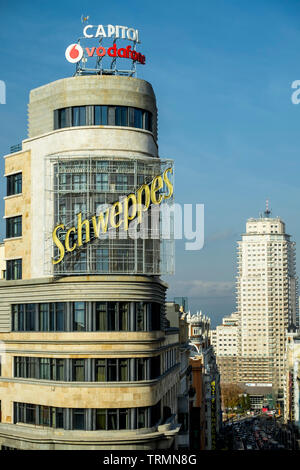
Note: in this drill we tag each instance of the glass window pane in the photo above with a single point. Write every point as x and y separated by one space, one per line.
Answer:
59 418
131 117
14 269
100 116
101 316
124 316
78 418
140 316
30 414
124 419
102 260
44 317
79 316
14 184
104 115
45 416
60 316
121 116
32 367
123 369
59 369
101 182
78 370
138 118
97 115
112 316
78 116
101 419
30 317
141 417
14 227
62 118
100 366
141 369
112 421
45 368
112 370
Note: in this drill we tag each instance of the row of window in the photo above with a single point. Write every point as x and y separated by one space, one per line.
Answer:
87 316
87 419
87 370
78 182
102 116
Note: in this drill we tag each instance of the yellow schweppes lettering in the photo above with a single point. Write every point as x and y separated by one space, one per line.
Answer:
120 214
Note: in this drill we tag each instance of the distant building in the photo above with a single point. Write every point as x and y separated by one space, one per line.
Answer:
266 301
292 385
206 415
224 340
177 319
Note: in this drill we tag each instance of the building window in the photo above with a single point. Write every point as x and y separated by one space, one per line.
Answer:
13 269
100 115
78 370
121 116
104 115
62 118
78 116
100 419
82 419
101 316
14 226
141 418
124 316
72 316
141 315
141 368
79 316
101 182
102 259
79 182
14 184
57 316
78 418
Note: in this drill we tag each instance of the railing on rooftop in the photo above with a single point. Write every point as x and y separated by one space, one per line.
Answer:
16 148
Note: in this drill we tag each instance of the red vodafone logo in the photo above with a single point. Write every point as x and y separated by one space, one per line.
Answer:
74 53
125 53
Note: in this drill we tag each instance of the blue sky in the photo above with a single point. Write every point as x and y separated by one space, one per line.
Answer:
222 73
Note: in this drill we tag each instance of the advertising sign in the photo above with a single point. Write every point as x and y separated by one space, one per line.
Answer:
101 43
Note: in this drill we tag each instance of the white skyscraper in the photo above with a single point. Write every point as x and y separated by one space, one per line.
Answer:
266 300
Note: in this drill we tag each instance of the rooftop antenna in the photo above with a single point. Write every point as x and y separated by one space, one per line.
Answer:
84 18
267 210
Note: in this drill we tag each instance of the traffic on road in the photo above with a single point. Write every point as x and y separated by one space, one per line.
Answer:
255 433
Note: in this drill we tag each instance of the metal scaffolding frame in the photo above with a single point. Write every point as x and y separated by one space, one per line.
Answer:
87 183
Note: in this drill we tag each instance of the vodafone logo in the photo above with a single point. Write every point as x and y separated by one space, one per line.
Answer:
74 53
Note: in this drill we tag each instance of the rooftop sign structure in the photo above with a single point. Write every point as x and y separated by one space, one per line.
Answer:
101 50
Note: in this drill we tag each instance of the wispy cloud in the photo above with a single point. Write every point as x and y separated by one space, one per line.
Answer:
199 288
224 235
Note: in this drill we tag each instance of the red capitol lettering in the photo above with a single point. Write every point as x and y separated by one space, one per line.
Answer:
124 53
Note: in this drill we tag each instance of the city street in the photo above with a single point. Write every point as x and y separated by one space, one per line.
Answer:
254 433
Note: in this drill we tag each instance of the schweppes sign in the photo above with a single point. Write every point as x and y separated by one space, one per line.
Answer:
118 215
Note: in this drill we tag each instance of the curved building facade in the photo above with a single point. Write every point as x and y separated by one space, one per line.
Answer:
86 360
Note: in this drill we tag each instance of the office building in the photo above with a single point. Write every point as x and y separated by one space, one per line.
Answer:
88 361
266 301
